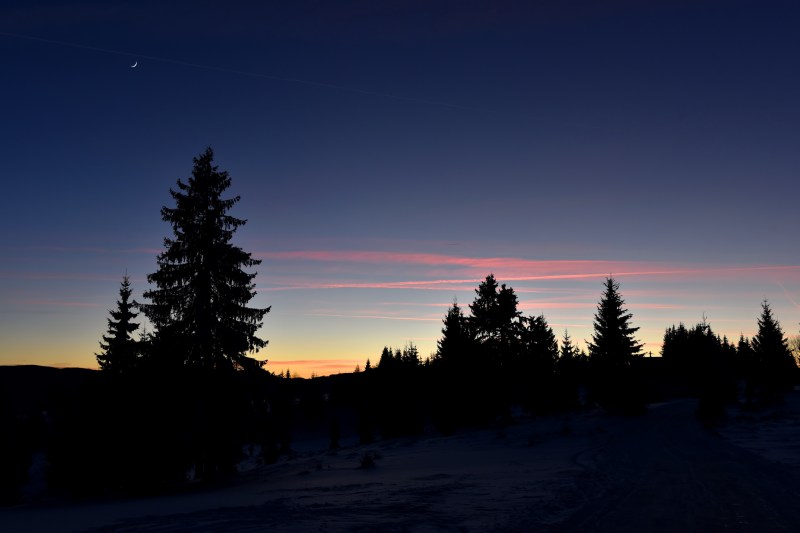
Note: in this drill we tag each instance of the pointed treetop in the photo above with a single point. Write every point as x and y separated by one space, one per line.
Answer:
613 341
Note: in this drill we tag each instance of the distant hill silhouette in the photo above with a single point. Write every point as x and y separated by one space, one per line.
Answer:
26 389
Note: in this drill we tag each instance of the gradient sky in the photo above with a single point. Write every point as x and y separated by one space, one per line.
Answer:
390 155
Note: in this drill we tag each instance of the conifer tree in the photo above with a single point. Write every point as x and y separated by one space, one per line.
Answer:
199 303
507 317
776 366
119 350
612 352
454 347
675 349
495 323
569 370
386 360
567 350
569 357
533 371
613 344
410 356
485 319
541 346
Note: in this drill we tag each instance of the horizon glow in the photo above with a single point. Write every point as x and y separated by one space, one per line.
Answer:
368 302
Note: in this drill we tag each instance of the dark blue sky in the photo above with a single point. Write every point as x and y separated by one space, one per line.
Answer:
664 132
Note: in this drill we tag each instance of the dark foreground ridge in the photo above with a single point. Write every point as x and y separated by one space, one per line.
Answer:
588 471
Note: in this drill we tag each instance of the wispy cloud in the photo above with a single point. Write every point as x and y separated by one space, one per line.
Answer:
59 303
95 250
484 264
378 317
506 269
433 285
542 305
56 276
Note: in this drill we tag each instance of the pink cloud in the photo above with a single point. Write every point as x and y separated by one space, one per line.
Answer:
509 269
484 264
440 284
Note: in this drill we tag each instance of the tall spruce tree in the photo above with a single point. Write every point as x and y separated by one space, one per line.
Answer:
119 350
776 366
199 305
612 351
613 344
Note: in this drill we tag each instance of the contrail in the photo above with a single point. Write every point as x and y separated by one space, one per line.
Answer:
786 293
239 72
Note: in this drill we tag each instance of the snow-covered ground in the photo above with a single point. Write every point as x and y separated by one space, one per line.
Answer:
579 472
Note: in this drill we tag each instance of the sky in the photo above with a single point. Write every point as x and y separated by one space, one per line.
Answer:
389 155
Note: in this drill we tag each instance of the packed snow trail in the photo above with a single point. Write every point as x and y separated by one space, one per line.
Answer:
663 472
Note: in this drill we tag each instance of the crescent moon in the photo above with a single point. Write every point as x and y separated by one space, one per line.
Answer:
134 64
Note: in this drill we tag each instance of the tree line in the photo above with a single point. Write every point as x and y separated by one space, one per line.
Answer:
493 359
176 402
185 400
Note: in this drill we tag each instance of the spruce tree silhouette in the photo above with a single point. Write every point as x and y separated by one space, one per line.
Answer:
676 352
493 316
199 305
386 361
700 363
484 319
494 322
455 346
203 327
746 368
456 373
537 369
710 372
569 372
120 352
613 344
612 352
398 398
776 368
567 351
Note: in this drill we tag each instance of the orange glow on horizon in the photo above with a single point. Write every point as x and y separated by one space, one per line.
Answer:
321 367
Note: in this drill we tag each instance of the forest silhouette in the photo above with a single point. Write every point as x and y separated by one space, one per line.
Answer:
183 402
